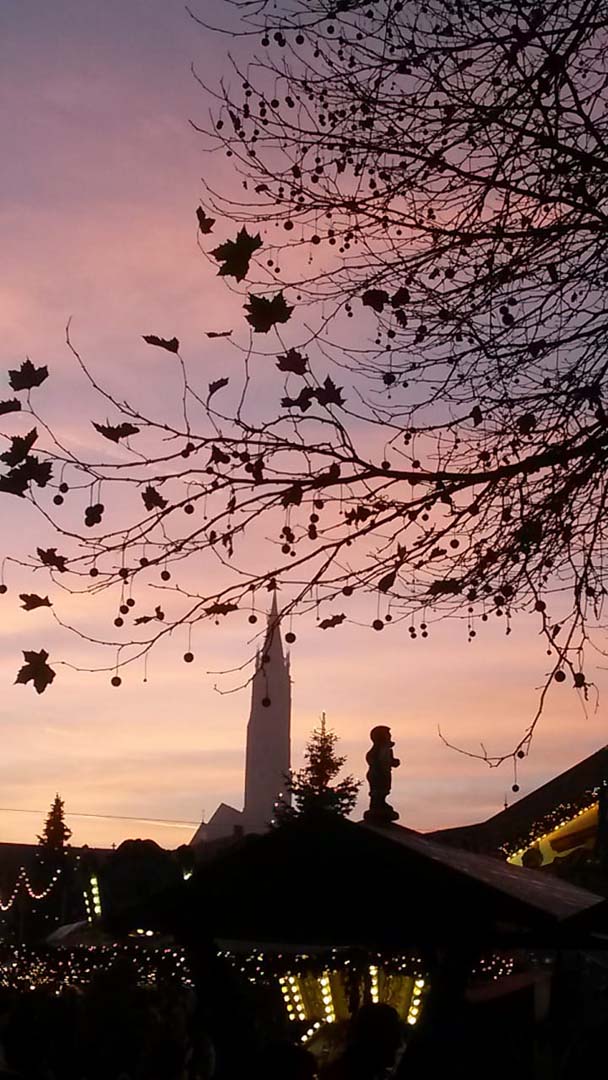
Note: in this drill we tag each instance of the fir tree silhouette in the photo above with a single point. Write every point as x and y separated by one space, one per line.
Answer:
311 787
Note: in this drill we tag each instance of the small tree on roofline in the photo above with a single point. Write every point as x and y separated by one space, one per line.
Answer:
311 788
55 835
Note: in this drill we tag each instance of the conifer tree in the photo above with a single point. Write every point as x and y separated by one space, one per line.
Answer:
56 833
311 787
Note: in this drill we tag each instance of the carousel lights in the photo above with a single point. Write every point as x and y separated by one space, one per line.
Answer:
311 1031
292 997
87 906
415 1003
96 896
328 1005
374 989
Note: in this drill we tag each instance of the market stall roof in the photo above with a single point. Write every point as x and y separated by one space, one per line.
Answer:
328 881
511 826
78 933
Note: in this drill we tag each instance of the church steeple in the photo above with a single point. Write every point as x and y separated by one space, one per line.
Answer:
268 730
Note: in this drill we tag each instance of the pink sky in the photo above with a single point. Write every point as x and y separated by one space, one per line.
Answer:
100 181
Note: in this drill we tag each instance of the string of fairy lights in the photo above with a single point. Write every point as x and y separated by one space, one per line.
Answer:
557 818
25 968
23 882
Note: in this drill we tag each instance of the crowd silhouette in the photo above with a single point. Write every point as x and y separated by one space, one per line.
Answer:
115 1029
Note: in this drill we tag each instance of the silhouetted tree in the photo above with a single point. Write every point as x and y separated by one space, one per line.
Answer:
311 788
421 251
55 835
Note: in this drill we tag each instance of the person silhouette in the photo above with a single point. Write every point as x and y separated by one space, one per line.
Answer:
376 1034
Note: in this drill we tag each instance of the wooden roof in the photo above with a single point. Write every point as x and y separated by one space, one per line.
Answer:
327 881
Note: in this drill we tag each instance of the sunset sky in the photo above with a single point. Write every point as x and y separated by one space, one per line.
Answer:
100 180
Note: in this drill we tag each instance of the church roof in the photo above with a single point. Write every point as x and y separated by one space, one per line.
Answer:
537 813
225 817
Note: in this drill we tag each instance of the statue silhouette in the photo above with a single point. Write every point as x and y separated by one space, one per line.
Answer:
381 762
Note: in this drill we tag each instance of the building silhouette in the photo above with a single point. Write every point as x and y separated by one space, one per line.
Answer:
268 753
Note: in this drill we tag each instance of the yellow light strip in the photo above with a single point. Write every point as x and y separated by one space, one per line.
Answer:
414 1009
373 973
292 997
328 1005
545 836
311 1031
96 895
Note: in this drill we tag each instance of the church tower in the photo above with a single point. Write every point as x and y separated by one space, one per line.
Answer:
268 756
268 731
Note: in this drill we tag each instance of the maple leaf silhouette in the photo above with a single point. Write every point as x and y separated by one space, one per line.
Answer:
170 344
303 401
31 601
221 609
27 376
476 415
376 299
19 448
36 670
218 333
115 433
236 254
40 472
49 557
401 297
205 223
9 406
329 623
153 500
218 384
293 496
16 481
292 360
264 313
357 515
387 581
445 588
526 423
329 393
158 614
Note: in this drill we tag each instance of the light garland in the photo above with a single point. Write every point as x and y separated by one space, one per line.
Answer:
260 966
495 967
557 818
24 968
24 882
